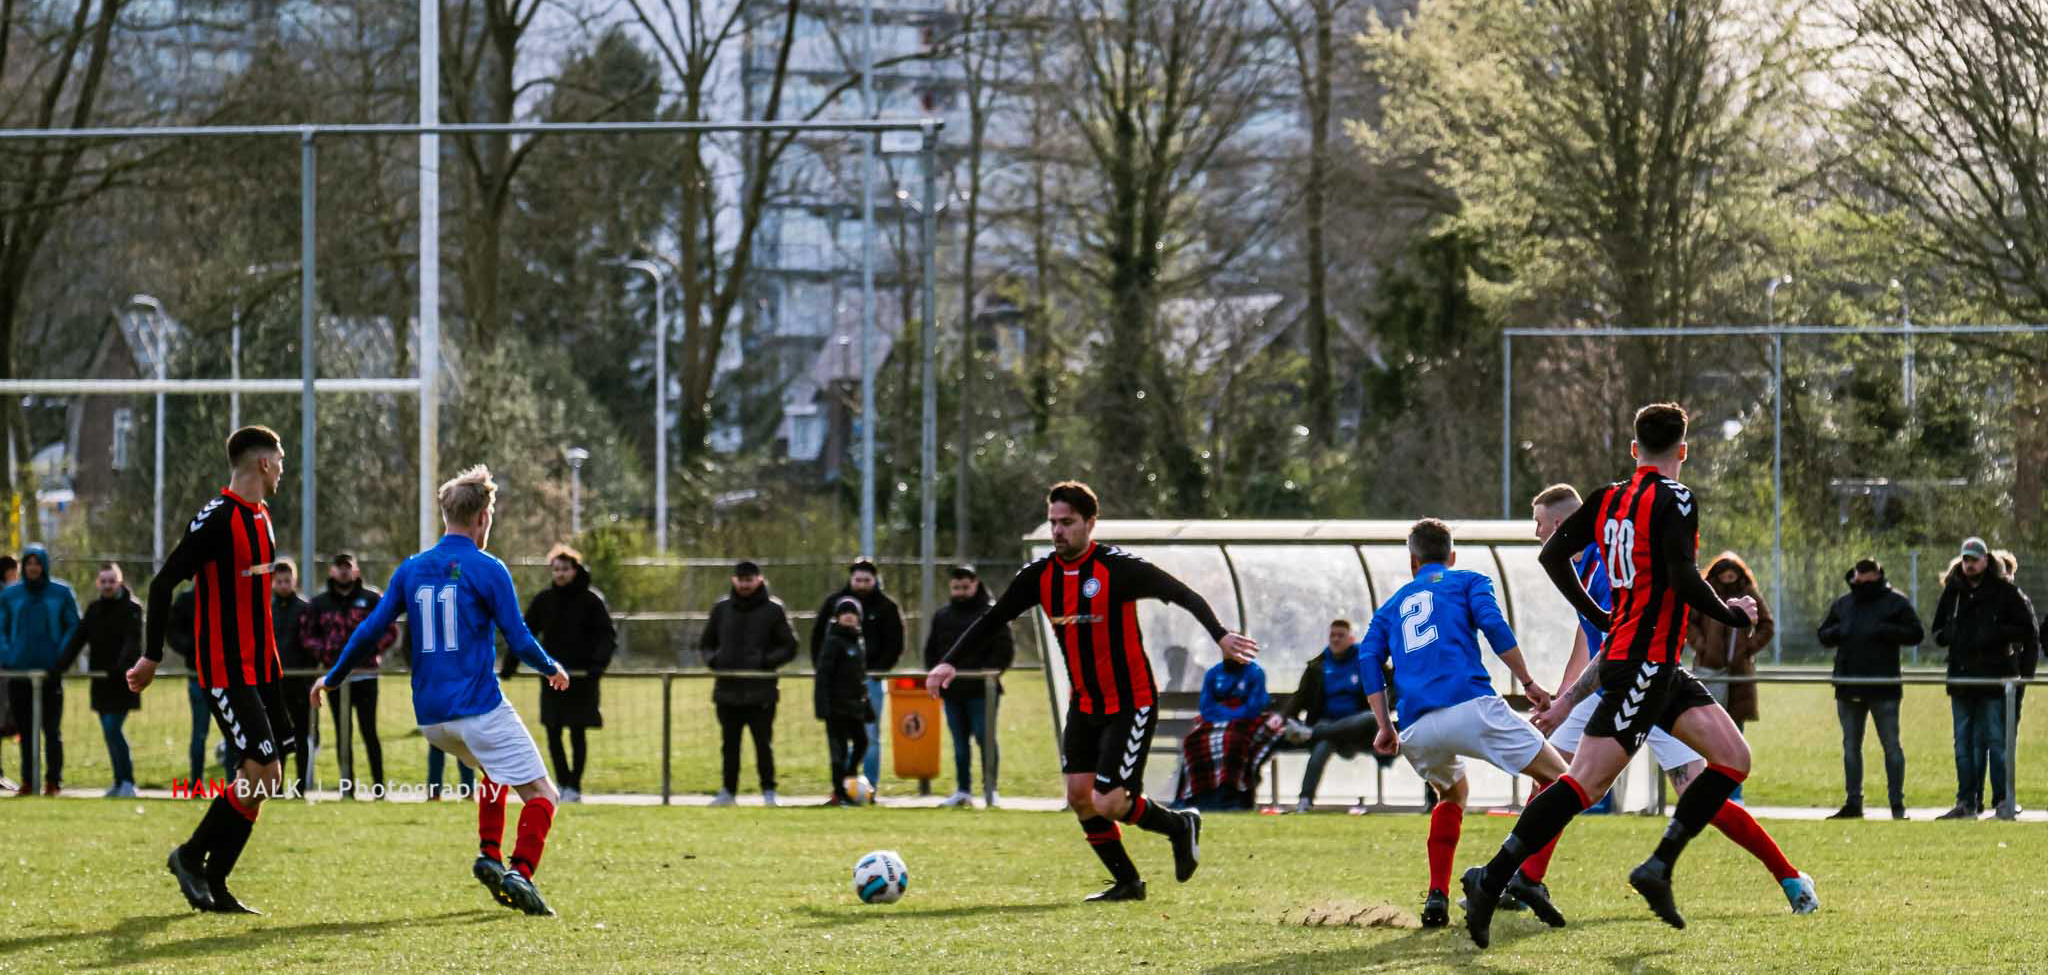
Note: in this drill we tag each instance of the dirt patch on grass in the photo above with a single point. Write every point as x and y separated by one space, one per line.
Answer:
1349 914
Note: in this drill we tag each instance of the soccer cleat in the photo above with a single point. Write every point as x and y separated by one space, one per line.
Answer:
225 903
1852 810
1436 909
1654 883
1479 906
1799 892
524 896
1536 898
1130 891
1187 845
190 882
490 873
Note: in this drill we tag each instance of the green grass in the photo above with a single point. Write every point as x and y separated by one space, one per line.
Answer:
386 887
1797 744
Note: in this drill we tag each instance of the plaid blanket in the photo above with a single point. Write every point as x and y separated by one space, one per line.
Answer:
1227 757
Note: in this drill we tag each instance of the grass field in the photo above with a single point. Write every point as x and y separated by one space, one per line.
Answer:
1797 744
386 887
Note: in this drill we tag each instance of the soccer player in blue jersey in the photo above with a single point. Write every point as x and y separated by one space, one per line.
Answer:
452 595
1430 630
1679 762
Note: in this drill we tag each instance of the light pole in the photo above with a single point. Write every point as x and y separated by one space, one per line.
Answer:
1906 323
928 464
867 283
161 353
654 272
1777 454
576 456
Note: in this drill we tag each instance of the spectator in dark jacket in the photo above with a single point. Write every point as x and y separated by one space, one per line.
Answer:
287 617
1330 698
37 616
574 624
330 618
1980 620
748 630
110 636
966 701
881 628
839 695
1866 628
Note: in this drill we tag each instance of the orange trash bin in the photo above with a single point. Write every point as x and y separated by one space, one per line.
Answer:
914 722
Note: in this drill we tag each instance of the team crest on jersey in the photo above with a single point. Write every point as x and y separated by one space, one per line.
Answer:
1090 588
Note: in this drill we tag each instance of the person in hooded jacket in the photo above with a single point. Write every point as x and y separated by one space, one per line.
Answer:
1981 619
1866 628
110 635
1719 650
37 616
881 628
324 629
748 630
966 700
575 626
839 697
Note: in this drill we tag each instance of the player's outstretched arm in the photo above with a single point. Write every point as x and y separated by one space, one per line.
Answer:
366 638
1561 706
504 610
1681 541
1519 667
1020 596
1571 538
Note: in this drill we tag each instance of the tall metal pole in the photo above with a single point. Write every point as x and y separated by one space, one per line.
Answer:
235 371
654 272
927 542
308 303
430 266
162 347
1507 425
1777 489
867 284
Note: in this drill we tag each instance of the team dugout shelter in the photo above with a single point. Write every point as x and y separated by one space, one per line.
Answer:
1281 583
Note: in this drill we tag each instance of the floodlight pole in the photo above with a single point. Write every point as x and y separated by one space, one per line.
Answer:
867 284
928 467
653 271
430 267
162 350
308 360
1777 459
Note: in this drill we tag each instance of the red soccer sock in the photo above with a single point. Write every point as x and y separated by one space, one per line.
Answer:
1743 828
1445 821
534 820
490 817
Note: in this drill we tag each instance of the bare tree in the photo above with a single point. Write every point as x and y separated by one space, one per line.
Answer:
1310 29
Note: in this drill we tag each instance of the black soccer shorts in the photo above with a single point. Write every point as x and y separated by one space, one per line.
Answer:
1113 746
1636 696
253 720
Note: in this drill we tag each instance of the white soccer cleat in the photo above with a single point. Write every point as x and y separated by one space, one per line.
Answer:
1799 892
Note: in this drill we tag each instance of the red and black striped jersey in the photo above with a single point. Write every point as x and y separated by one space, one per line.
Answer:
1648 530
227 553
1091 603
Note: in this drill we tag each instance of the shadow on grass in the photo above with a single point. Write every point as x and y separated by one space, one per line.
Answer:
1444 946
130 940
825 917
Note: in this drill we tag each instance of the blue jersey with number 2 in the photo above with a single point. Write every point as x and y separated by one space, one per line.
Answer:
452 595
1430 630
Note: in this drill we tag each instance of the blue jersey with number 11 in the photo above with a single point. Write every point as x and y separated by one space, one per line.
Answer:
1430 630
452 595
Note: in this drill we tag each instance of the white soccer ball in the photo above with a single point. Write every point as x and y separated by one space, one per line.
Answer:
880 878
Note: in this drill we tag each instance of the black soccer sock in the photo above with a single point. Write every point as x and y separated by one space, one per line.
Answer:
228 844
1153 817
1108 842
1545 817
207 835
1702 800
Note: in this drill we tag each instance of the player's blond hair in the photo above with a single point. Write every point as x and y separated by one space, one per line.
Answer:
466 496
1556 495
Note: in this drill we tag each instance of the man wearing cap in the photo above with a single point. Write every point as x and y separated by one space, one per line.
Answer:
748 630
324 630
1980 619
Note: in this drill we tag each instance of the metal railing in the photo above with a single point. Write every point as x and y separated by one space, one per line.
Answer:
32 728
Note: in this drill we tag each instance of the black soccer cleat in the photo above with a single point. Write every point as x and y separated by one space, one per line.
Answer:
1187 845
1479 906
1654 883
226 903
1536 898
491 874
1436 909
1130 890
190 882
523 895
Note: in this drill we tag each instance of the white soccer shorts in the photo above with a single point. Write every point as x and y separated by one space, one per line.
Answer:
494 742
1484 728
1669 752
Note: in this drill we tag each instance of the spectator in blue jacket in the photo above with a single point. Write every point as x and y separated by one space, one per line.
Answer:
37 616
1233 690
1328 710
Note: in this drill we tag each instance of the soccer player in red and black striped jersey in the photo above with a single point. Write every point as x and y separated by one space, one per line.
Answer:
1089 592
1647 528
228 551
